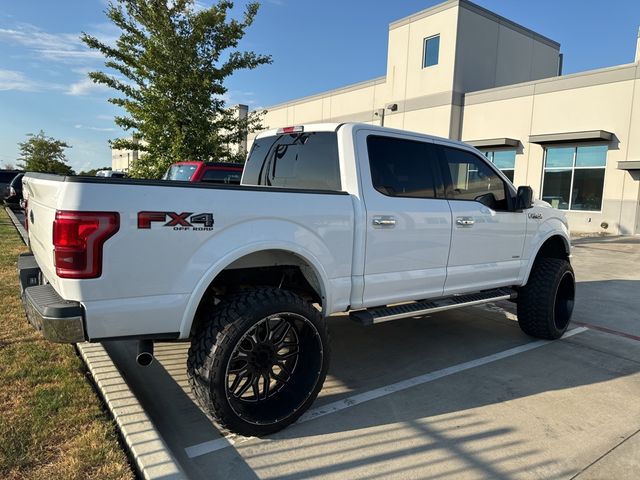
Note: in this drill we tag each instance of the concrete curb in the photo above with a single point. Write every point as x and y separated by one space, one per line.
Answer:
18 225
152 457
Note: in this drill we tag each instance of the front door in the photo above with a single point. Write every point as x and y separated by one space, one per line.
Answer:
408 222
487 236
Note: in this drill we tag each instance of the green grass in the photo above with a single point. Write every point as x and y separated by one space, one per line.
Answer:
52 425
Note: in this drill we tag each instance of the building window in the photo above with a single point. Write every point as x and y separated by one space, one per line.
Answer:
574 177
470 178
431 51
505 160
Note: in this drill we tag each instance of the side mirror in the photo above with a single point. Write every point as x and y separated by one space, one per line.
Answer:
524 198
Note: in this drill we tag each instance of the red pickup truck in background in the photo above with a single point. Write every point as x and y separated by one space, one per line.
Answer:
210 172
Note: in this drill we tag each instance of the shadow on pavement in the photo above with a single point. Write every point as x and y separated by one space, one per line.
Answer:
365 358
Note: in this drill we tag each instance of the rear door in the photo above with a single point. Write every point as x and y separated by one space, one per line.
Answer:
408 223
487 235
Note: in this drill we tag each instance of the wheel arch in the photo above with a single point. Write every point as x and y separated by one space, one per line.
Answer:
554 245
258 256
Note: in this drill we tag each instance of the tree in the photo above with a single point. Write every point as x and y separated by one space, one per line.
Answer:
169 65
40 153
92 172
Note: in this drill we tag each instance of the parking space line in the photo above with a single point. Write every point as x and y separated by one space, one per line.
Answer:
229 440
426 378
608 330
214 445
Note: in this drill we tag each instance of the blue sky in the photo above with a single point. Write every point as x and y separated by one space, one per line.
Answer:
316 46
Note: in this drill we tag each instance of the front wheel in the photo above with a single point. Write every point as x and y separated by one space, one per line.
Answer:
545 303
260 361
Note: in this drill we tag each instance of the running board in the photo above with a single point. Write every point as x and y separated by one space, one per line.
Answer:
424 307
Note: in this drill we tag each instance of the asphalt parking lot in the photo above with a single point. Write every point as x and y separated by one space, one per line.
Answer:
461 394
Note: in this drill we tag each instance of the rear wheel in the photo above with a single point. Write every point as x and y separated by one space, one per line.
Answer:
260 361
545 303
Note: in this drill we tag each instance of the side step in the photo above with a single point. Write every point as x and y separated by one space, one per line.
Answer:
423 307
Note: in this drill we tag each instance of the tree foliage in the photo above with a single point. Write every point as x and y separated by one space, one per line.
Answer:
92 172
39 153
169 65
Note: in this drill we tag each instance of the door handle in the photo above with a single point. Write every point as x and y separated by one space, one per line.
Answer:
384 221
465 221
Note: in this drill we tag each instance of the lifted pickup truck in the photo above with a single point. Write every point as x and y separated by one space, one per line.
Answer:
381 223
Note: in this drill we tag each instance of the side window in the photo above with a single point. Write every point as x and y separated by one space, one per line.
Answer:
473 179
402 168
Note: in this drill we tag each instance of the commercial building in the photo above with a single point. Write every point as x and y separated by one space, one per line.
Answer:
460 71
121 160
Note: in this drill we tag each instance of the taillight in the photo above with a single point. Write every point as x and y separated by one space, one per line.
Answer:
26 214
78 238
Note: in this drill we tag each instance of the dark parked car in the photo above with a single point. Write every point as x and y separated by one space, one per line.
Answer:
13 197
5 180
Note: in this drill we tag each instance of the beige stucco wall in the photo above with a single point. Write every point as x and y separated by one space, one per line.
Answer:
120 159
522 96
491 53
567 105
405 76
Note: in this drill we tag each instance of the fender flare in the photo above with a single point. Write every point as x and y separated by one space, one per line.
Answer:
554 233
198 293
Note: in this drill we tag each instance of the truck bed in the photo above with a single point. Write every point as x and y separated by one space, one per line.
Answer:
167 265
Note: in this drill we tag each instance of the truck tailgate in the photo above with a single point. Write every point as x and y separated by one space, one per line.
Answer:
42 195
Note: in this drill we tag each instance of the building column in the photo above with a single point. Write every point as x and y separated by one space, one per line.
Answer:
243 114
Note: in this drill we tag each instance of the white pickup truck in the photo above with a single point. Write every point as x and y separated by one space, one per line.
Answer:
381 223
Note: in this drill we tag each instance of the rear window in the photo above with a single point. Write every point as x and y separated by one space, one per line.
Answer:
180 172
222 176
307 160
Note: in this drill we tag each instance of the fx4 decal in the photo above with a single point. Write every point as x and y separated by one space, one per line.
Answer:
178 221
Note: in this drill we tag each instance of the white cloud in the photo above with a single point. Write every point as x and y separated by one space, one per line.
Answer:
60 47
88 154
238 96
18 81
12 80
85 86
199 6
95 129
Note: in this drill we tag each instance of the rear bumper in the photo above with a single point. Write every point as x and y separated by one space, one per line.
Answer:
58 319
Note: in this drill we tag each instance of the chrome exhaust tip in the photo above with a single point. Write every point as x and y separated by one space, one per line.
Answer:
144 358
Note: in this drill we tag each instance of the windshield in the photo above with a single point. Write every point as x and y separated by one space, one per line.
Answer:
180 172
